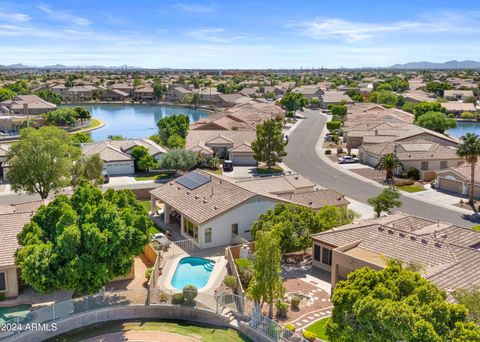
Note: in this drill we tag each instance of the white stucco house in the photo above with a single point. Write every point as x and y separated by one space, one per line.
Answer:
214 211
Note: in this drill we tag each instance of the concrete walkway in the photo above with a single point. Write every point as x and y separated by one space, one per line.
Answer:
311 317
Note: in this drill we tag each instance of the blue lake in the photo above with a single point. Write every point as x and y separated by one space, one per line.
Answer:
135 121
464 127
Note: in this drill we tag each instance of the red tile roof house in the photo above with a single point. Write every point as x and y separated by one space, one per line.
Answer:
457 180
448 255
212 210
12 220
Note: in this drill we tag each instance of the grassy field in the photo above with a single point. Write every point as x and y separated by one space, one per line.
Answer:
205 334
412 188
319 328
156 176
95 123
215 171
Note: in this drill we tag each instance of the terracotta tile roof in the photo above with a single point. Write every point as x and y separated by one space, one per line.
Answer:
458 106
317 199
206 137
278 184
107 152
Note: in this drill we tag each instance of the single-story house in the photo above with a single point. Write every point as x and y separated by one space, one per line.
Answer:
447 254
213 210
230 100
418 96
457 180
310 92
116 154
456 95
426 156
458 107
12 219
334 97
27 105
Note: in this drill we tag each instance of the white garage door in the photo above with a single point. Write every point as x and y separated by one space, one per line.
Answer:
120 168
242 159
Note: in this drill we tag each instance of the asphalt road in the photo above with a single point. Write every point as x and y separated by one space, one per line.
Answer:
303 159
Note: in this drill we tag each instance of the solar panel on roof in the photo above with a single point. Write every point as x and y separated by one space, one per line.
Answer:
193 180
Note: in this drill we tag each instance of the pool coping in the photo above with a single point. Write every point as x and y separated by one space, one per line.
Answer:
218 273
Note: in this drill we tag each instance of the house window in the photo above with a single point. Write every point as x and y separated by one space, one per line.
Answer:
235 228
208 235
191 229
443 164
424 166
3 282
326 256
316 252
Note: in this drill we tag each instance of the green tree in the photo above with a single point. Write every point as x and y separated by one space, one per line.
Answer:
137 82
49 96
393 304
266 285
425 107
295 224
82 242
469 149
81 138
89 168
385 201
142 158
292 101
384 87
471 299
465 332
269 146
62 117
82 113
41 161
6 94
386 98
355 95
437 87
159 89
389 163
339 110
436 121
178 159
173 125
176 141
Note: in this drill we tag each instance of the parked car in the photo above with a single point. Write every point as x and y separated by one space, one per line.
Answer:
347 160
227 165
106 177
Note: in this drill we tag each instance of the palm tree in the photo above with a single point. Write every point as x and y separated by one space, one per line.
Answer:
469 149
389 163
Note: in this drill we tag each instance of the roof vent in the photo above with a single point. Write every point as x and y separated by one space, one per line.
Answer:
438 244
204 201
424 241
339 198
402 234
381 229
196 197
178 187
310 203
413 238
215 207
296 177
171 183
188 192
390 231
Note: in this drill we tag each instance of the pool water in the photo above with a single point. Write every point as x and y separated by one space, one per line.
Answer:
8 313
192 271
464 127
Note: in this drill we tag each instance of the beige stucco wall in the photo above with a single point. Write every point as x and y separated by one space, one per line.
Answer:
11 276
343 264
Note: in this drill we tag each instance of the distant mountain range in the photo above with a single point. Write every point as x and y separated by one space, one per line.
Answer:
438 66
450 65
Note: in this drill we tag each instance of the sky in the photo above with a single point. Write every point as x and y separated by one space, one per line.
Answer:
238 34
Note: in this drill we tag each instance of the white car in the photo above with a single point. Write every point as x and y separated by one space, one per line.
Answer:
347 160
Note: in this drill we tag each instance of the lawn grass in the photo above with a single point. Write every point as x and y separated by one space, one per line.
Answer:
412 188
214 171
202 333
319 328
155 176
94 124
154 229
268 170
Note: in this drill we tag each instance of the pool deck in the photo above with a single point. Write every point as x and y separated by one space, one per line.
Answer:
216 277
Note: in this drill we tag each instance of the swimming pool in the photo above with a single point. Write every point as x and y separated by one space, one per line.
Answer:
7 313
192 271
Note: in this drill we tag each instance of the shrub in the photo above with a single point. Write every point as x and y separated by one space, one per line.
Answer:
163 297
450 115
290 114
282 309
177 298
328 151
189 293
148 273
413 173
2 296
245 270
309 336
295 302
289 327
273 330
467 115
339 150
332 125
230 281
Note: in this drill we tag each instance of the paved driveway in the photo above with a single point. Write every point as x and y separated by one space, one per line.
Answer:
302 157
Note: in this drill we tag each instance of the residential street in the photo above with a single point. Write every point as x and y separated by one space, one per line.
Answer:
303 159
